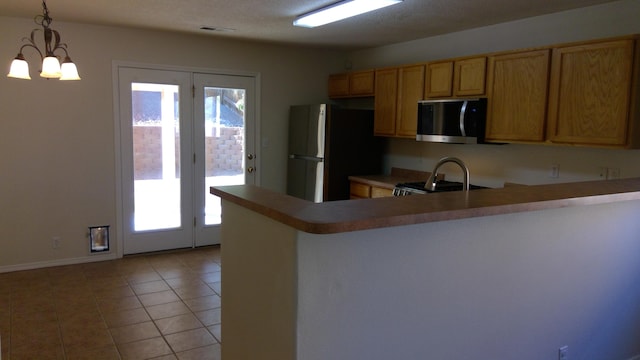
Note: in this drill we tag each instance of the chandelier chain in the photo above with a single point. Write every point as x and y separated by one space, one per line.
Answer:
43 20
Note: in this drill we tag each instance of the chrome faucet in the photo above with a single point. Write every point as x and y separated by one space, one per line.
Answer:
431 182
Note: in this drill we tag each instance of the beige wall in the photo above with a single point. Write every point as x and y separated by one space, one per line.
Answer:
57 152
530 164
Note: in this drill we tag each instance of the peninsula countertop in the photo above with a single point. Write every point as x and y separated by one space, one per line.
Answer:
398 175
352 215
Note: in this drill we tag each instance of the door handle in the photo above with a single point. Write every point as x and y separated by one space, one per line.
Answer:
251 156
251 169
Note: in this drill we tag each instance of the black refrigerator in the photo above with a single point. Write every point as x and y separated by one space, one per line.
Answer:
327 144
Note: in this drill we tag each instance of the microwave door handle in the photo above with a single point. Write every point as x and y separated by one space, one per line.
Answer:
463 110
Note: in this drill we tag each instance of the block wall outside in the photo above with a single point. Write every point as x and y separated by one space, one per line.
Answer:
225 152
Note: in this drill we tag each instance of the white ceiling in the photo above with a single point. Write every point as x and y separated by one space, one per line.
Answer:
271 20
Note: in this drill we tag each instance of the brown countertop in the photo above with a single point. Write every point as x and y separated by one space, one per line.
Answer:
352 215
398 175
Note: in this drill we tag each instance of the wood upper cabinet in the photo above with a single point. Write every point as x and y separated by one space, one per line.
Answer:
469 76
439 79
410 91
354 84
362 83
579 94
458 78
385 103
398 91
590 95
517 96
338 85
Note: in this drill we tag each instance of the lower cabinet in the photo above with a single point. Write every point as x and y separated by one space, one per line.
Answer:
360 190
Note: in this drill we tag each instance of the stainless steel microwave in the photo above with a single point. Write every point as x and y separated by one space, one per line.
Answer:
458 121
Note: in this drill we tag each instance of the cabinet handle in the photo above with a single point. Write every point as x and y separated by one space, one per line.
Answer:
251 169
251 156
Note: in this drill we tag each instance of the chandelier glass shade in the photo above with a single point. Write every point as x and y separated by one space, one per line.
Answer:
19 68
51 68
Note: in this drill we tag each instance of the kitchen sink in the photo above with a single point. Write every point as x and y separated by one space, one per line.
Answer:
417 187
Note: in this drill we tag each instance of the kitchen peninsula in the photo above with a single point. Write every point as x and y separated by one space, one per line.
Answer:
498 273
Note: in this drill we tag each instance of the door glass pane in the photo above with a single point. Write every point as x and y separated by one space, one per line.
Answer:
224 144
156 156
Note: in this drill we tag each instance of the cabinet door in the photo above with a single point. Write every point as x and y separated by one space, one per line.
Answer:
386 92
590 93
361 83
338 85
517 96
469 76
438 82
410 91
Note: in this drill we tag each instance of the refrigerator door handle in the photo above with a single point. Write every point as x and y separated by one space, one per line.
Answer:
305 157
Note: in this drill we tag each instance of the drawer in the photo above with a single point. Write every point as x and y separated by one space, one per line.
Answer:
377 192
360 190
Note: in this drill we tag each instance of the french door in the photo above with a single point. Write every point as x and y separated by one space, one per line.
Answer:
224 144
180 132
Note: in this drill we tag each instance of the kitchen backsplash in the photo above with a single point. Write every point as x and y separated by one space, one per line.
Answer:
492 165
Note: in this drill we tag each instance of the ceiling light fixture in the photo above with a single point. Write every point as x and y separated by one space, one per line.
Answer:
340 10
51 68
216 28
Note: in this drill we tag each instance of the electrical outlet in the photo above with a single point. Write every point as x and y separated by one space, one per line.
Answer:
602 172
608 173
55 242
563 353
555 171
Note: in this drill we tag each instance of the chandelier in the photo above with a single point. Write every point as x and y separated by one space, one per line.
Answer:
51 68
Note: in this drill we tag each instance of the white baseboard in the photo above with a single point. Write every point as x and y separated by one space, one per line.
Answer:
61 262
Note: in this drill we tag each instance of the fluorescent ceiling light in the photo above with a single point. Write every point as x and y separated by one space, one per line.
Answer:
341 10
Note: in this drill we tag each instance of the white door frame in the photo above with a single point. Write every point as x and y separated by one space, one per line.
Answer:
118 229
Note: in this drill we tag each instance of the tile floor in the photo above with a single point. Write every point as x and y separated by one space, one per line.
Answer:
154 306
